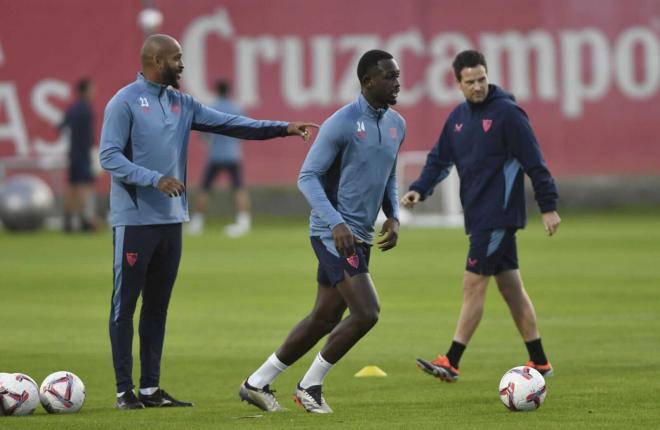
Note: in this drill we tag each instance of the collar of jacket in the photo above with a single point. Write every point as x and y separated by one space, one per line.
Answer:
151 87
366 108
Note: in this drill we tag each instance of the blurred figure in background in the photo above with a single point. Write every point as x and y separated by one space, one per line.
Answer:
79 120
224 154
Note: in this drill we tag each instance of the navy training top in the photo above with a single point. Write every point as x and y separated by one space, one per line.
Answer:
491 144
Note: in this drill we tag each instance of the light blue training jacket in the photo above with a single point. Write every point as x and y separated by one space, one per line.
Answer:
145 136
350 171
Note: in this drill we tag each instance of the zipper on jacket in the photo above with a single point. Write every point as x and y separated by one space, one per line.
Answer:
160 93
378 125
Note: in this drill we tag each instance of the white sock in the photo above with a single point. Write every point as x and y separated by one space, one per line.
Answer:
197 218
316 373
243 219
148 391
267 372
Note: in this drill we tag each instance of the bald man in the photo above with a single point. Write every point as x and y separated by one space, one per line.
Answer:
144 146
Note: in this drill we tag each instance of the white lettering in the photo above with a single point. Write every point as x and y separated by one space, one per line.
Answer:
576 91
440 77
519 48
248 53
321 76
574 67
40 95
399 43
193 45
349 85
14 128
625 63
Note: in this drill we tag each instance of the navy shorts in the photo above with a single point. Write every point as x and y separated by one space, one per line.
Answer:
331 268
492 252
80 173
213 169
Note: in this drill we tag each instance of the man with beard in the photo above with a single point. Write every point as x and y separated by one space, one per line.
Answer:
144 145
348 175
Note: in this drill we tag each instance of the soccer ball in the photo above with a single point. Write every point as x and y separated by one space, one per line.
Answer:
18 394
522 389
62 392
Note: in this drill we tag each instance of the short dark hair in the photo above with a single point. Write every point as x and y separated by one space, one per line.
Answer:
370 59
83 86
222 87
469 58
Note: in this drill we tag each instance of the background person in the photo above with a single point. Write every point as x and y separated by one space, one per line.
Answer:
79 120
224 154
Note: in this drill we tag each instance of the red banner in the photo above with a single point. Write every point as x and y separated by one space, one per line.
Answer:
587 72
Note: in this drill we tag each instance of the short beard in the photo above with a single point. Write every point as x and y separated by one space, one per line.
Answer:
169 77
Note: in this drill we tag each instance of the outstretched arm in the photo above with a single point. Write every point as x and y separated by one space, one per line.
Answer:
212 121
437 167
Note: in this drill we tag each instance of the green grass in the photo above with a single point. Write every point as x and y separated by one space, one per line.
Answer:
596 287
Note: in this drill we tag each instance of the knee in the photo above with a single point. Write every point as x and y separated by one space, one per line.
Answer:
511 291
505 290
153 312
475 289
368 318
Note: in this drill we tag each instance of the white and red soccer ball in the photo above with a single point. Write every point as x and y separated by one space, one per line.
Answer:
19 394
62 393
522 389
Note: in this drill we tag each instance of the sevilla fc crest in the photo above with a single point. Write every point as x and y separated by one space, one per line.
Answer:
393 132
131 258
486 123
354 261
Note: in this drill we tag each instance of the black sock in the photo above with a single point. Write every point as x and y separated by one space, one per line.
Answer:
454 354
536 353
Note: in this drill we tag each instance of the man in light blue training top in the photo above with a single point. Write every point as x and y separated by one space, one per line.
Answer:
348 175
144 145
224 154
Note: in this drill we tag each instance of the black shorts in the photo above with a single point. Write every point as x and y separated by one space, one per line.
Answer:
80 173
213 169
492 252
331 267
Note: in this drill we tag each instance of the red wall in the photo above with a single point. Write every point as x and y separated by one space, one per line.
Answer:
590 80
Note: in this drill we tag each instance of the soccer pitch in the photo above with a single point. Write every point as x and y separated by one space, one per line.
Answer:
596 288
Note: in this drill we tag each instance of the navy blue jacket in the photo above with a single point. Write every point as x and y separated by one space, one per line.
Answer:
491 143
